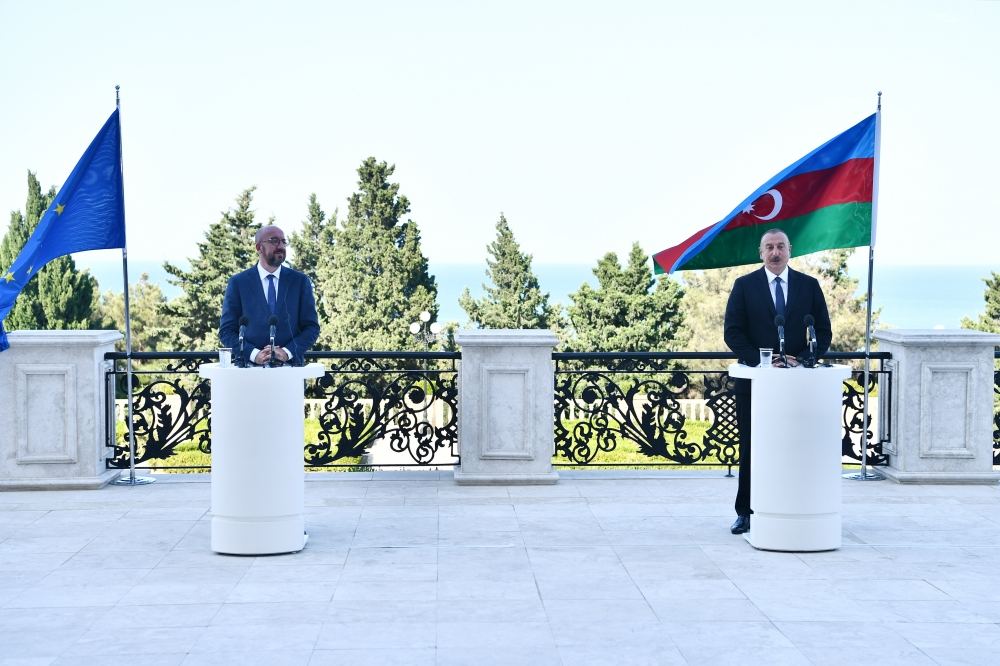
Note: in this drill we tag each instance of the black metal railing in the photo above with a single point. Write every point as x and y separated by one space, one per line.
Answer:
645 409
399 409
370 409
996 407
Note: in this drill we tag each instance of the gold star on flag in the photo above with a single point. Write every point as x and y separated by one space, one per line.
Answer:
9 277
59 208
30 268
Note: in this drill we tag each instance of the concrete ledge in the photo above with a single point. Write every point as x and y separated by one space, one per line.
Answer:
951 478
466 479
75 483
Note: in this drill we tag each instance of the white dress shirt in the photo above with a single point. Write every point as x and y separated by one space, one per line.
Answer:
263 283
784 283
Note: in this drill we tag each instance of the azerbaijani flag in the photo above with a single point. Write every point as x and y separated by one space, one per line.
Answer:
823 201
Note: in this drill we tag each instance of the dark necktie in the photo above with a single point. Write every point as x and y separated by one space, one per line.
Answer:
272 296
779 298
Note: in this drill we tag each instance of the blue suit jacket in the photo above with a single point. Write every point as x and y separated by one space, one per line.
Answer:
298 323
749 323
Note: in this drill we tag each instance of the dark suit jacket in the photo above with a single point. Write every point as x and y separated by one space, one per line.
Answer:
298 323
749 323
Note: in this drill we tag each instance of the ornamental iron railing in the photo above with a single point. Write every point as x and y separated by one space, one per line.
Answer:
635 409
399 409
996 408
370 409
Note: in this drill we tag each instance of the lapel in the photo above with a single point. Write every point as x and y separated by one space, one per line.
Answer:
261 286
795 288
764 289
284 284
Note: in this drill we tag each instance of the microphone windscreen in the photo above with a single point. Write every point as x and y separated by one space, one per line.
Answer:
779 320
272 321
244 320
809 320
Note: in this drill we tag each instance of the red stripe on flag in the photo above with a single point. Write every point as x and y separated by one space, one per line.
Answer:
849 182
666 259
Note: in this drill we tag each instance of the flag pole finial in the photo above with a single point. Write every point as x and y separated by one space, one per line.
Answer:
118 101
879 106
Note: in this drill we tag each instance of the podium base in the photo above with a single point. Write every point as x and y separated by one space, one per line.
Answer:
234 536
794 533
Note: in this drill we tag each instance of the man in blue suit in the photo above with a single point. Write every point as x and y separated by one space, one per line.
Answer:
754 302
264 291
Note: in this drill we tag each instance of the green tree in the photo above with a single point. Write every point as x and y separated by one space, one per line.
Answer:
513 298
227 249
989 320
146 303
59 296
375 280
704 308
629 311
309 244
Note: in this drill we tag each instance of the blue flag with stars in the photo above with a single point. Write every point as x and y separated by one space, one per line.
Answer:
88 213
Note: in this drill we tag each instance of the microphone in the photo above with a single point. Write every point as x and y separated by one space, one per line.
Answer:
240 361
779 321
272 322
810 321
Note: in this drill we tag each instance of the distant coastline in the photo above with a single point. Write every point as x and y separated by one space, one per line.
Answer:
909 296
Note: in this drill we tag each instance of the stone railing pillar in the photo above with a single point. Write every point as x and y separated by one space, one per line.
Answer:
942 406
53 421
505 407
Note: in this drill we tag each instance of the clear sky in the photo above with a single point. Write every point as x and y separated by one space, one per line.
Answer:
589 124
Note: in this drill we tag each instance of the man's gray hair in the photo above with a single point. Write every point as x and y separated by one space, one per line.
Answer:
775 230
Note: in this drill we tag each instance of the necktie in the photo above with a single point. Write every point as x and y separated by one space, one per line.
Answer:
272 296
779 298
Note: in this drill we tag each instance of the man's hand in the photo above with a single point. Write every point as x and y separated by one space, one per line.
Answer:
789 362
265 354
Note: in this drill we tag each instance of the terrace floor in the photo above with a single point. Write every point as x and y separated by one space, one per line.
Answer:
409 568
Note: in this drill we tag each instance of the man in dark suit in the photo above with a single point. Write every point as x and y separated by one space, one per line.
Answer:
755 300
268 289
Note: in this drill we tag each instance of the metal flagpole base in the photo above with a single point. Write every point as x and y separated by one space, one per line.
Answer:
866 475
133 481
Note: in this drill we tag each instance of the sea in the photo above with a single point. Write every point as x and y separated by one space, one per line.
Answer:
913 297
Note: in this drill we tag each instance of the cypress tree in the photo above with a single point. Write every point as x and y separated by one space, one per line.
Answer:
989 320
375 281
309 244
227 249
513 298
629 311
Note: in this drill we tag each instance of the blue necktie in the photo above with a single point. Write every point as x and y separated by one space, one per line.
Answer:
272 296
779 297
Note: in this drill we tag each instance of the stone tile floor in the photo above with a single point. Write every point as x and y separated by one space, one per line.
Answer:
409 568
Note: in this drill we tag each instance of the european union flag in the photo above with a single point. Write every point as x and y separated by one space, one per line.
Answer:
88 213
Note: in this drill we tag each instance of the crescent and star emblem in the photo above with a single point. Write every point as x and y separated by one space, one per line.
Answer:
776 195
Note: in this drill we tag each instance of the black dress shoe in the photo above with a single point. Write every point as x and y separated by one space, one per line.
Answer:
741 525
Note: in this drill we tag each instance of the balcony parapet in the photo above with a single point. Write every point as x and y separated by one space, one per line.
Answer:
53 425
942 406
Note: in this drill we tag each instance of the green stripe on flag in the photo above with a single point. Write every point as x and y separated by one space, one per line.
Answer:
841 225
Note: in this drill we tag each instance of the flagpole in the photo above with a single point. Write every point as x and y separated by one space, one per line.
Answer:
132 479
865 474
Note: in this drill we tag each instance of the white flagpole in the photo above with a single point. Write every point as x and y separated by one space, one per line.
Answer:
132 479
865 474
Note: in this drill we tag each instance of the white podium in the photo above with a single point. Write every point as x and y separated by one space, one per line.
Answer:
795 456
258 477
